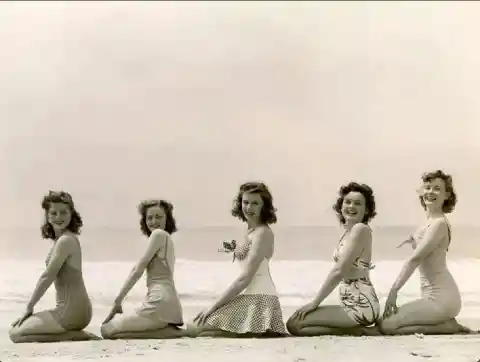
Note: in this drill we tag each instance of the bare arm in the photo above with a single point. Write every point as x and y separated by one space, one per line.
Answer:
431 239
354 244
156 243
411 240
62 250
261 241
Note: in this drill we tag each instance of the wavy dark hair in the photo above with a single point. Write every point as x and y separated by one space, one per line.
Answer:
170 223
367 193
267 214
54 197
451 201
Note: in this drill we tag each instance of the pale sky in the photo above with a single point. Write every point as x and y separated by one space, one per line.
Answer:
115 102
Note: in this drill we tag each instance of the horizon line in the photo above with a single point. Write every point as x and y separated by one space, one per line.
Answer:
193 227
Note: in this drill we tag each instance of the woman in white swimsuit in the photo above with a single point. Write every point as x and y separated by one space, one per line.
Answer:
250 306
161 313
440 302
359 307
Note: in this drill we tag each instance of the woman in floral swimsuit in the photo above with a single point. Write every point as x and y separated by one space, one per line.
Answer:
359 307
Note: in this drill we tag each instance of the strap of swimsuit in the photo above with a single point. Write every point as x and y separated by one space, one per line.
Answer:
166 256
449 233
338 245
345 233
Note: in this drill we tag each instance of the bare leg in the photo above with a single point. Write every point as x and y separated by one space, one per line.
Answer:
138 327
357 331
218 333
42 327
209 331
168 332
449 327
327 320
420 316
70 336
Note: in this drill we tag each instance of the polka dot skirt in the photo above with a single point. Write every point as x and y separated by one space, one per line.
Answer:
249 313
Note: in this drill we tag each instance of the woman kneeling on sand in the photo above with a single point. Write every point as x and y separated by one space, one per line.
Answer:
250 306
63 268
161 313
435 311
360 307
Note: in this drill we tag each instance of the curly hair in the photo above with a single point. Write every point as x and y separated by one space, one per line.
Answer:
170 223
62 197
367 193
267 214
451 201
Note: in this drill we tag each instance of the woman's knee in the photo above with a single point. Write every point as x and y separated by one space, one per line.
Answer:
387 326
15 334
110 329
129 324
293 325
107 331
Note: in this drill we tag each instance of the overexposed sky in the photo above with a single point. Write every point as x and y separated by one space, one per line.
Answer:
115 102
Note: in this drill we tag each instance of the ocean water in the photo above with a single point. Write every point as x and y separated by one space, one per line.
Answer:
291 243
302 261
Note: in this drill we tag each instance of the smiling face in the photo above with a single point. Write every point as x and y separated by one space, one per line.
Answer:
155 218
434 194
59 216
252 204
353 207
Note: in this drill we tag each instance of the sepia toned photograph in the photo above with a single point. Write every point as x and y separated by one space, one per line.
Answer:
233 181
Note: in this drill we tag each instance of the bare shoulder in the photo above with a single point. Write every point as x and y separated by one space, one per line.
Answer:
159 234
362 232
264 232
159 238
440 224
68 240
440 221
262 236
361 228
67 244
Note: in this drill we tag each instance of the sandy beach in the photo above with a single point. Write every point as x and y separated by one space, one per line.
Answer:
457 348
120 101
199 282
393 349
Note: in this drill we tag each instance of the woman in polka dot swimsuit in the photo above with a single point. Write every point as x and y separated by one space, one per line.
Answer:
250 306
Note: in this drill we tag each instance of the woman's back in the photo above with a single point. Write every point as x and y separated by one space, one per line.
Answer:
73 306
161 268
433 268
262 282
70 277
362 264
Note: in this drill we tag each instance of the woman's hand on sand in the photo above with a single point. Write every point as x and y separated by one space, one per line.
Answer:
201 317
116 309
22 319
303 311
390 305
410 241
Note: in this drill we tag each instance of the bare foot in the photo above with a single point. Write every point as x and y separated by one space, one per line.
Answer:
192 330
458 328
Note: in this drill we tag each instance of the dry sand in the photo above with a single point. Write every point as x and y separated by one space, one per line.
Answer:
456 348
315 349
